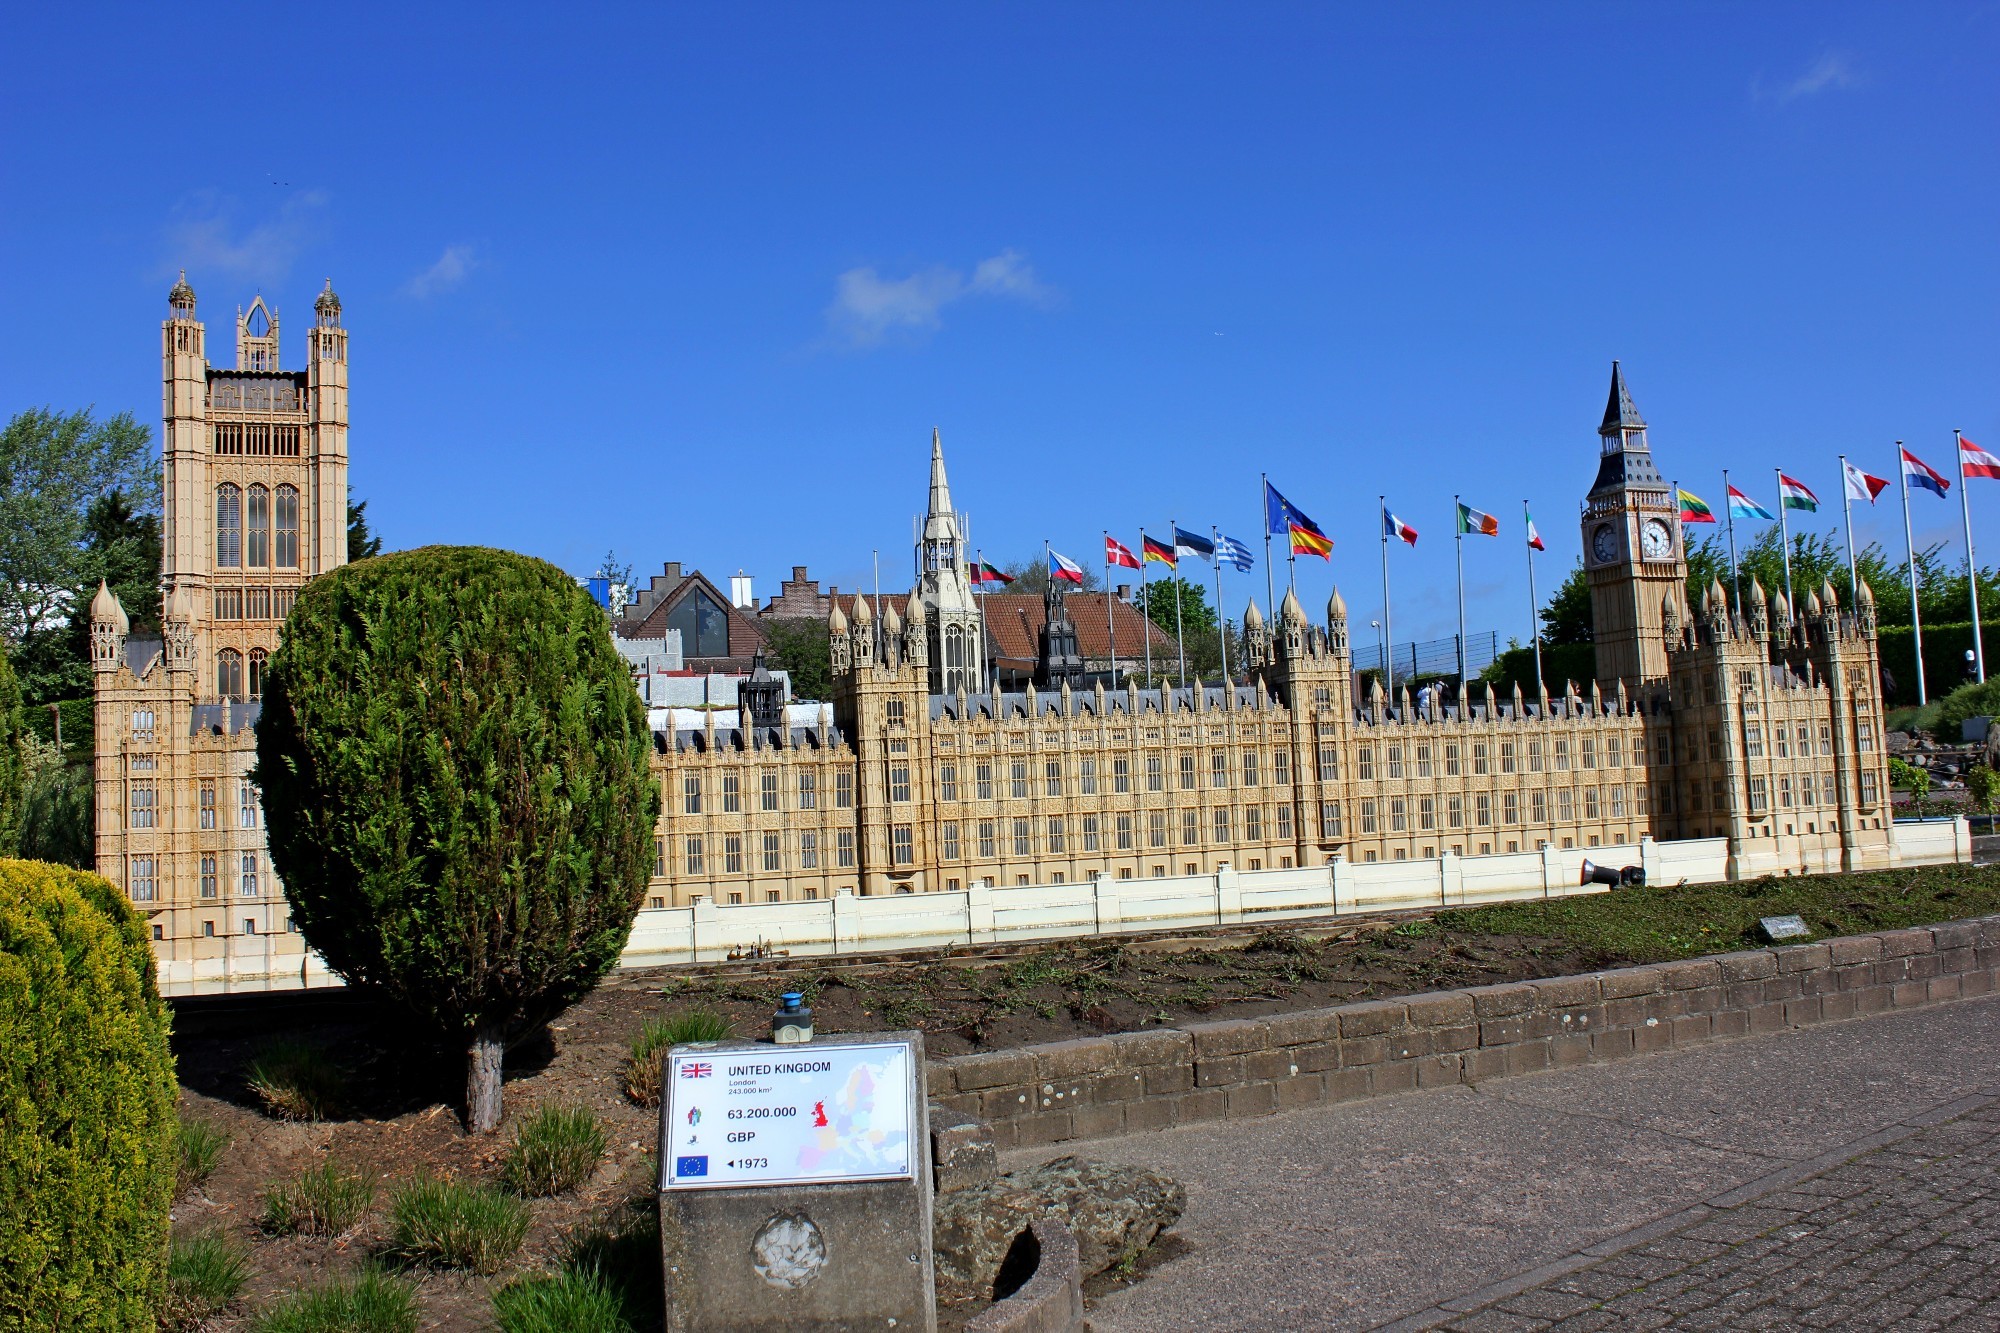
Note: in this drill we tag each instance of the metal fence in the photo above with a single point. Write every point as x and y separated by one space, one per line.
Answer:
1433 657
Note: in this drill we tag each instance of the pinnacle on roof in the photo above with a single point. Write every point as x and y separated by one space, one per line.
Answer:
328 303
105 607
940 488
863 612
1756 591
1813 607
1864 594
891 622
1290 611
1336 606
1827 595
1619 413
914 611
180 293
1252 617
836 619
1783 604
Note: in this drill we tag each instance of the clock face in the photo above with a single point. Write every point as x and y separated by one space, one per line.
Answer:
1656 540
1604 544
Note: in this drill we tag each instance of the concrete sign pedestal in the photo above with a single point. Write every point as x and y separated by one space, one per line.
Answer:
795 1185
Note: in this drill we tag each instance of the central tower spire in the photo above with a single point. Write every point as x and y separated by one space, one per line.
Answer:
944 587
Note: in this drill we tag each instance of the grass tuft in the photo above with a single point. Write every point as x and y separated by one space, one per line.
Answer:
325 1200
649 1048
205 1274
200 1145
371 1303
554 1151
294 1080
577 1301
446 1224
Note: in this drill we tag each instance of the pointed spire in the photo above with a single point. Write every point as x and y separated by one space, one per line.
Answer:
1757 597
1827 595
1813 606
105 608
180 295
913 612
891 622
1864 595
836 619
863 612
940 489
1619 413
1336 606
1290 611
1253 619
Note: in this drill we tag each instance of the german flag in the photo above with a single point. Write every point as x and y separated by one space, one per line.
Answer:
1160 552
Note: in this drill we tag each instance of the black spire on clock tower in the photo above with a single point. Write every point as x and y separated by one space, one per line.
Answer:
1632 549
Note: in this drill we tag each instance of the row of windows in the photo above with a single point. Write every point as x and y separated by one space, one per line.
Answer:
1090 779
256 439
1399 814
254 603
1786 741
1802 790
1424 759
143 808
230 679
1060 836
267 536
769 797
770 850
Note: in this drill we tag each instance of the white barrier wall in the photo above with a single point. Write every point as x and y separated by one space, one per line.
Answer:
984 915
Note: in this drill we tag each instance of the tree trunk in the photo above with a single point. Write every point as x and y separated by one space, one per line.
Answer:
482 1081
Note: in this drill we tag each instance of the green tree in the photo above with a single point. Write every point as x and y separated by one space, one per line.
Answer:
799 647
13 758
1157 602
1567 616
360 543
1032 576
454 763
57 812
121 545
1982 784
87 1097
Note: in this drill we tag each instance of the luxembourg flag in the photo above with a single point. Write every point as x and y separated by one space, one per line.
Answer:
1395 527
1918 473
1976 461
1064 568
1861 486
1742 506
1795 494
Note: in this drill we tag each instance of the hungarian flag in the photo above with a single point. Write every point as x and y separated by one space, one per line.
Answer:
1742 506
1976 461
1861 486
1795 494
1395 527
1534 538
1063 568
1158 553
1918 473
1117 553
982 572
1311 541
1694 509
1472 520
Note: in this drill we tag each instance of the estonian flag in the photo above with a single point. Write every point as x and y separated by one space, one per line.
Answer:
1918 473
1193 544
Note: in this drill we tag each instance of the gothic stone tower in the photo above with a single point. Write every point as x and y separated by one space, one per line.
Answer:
944 585
1632 548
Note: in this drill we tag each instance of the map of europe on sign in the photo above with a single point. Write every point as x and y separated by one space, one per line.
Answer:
788 1115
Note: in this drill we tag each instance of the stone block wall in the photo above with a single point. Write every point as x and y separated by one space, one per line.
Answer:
1132 1081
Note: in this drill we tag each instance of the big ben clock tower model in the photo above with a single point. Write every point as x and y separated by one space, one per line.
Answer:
1632 548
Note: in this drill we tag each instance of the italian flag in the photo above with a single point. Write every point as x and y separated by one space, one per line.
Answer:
1534 538
1795 494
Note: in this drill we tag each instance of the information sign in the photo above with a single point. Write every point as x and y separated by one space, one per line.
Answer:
789 1115
1783 928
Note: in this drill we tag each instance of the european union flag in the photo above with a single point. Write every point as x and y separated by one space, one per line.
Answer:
685 1167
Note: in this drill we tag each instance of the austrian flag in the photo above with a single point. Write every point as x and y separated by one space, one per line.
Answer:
1976 461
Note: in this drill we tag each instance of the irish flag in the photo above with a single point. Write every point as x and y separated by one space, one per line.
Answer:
1976 461
1795 494
1534 538
1474 521
1694 509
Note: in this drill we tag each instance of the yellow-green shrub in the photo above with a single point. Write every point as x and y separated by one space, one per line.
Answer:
87 1145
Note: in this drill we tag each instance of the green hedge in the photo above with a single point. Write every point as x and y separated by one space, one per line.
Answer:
87 1116
1944 657
79 725
1560 662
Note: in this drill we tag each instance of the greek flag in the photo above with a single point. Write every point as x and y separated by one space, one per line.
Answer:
1235 552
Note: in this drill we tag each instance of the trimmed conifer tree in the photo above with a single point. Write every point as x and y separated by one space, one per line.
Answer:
13 763
454 770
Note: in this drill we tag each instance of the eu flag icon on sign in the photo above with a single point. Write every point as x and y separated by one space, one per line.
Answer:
685 1167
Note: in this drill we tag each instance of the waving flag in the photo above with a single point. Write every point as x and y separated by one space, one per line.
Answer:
1190 543
1281 515
984 572
1976 461
1236 553
1795 494
1742 506
1063 568
1311 541
1472 520
1534 538
1395 527
1117 553
1861 486
1694 509
1160 553
1918 473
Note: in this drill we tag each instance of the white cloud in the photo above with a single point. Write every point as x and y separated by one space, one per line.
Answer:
868 307
441 277
203 236
1832 71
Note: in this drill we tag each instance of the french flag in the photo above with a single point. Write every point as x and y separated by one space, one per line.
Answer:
1918 473
1395 527
1064 568
1976 461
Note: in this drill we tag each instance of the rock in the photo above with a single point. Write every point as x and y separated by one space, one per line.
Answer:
1114 1212
962 1151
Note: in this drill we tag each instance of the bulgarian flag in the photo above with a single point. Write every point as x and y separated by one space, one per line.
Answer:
1472 520
1395 527
1795 494
982 572
1063 568
1158 553
1742 506
1976 461
1534 538
1118 553
1694 509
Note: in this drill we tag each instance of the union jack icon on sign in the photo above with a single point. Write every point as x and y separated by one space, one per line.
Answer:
697 1070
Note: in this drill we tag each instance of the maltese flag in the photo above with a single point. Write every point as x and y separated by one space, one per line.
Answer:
1976 461
1861 486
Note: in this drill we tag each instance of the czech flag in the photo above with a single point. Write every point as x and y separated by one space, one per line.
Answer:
1976 461
1472 520
1742 506
1694 509
983 572
1861 486
1795 494
1117 553
1534 538
1158 553
1063 568
1395 527
1918 473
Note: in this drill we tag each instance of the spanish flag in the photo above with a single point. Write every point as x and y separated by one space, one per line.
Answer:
1311 541
1160 553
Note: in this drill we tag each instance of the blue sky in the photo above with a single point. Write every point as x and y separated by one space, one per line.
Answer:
696 283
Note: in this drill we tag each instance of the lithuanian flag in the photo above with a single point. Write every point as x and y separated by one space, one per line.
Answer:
1694 509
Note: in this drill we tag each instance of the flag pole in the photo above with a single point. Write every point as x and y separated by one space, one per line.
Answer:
1735 579
1971 566
1534 603
1270 570
1784 534
1221 625
1847 514
1388 633
1146 601
1459 507
1110 631
1910 545
1180 639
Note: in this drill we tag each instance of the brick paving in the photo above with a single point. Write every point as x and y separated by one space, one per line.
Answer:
1903 1236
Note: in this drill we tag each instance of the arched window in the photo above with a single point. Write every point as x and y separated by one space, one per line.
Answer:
228 527
229 674
257 660
286 556
257 552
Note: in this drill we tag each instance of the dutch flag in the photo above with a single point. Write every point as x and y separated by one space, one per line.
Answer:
1918 473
